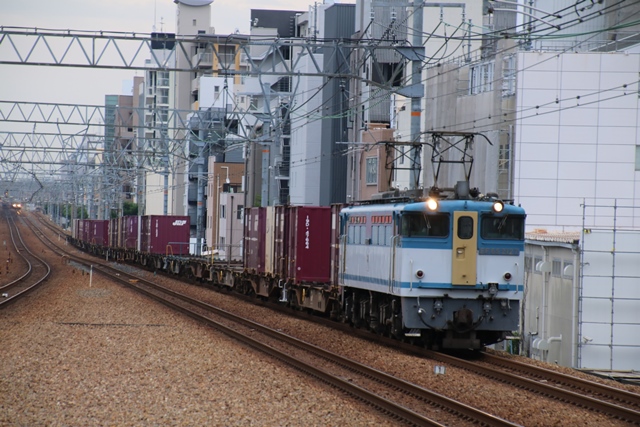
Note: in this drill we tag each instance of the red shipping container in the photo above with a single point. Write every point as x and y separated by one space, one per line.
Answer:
168 235
97 231
84 230
309 244
254 241
130 232
81 233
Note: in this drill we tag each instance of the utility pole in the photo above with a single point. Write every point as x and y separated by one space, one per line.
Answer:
416 101
165 173
267 146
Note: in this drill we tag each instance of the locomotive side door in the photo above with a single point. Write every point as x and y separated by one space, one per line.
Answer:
464 253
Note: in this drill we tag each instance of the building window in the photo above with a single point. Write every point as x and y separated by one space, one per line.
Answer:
163 114
372 170
163 78
637 157
509 76
223 213
527 264
163 95
239 212
481 78
556 268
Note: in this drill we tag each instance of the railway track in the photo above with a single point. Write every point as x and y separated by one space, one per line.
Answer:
591 389
399 399
36 272
394 397
611 401
606 400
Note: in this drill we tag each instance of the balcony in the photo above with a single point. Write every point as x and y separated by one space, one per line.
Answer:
163 83
203 60
226 61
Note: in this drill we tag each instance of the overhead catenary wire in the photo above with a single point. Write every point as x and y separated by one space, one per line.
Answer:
316 114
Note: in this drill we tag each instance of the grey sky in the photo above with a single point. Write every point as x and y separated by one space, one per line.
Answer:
66 85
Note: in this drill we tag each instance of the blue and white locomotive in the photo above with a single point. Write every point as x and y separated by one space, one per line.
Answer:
446 271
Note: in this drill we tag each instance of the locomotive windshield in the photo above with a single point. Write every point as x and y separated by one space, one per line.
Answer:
508 227
422 225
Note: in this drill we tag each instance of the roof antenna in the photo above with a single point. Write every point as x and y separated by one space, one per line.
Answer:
155 6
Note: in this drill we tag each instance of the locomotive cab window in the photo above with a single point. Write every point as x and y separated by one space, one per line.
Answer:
422 225
508 227
465 227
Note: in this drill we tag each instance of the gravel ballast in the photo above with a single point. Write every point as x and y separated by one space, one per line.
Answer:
75 355
104 355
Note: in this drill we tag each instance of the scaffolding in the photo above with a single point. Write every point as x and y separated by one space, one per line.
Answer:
609 295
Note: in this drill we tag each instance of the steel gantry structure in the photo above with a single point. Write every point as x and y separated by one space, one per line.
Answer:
68 48
64 137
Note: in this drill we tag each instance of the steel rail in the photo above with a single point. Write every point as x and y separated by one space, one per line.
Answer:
397 411
613 393
18 288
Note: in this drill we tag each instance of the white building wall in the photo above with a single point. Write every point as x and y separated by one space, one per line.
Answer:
550 303
581 300
304 177
155 194
213 93
609 321
189 21
401 122
577 132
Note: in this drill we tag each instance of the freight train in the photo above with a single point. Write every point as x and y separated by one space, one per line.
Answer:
445 271
152 234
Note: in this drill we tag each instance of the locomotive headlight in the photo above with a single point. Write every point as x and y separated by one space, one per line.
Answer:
432 204
507 276
420 274
498 206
